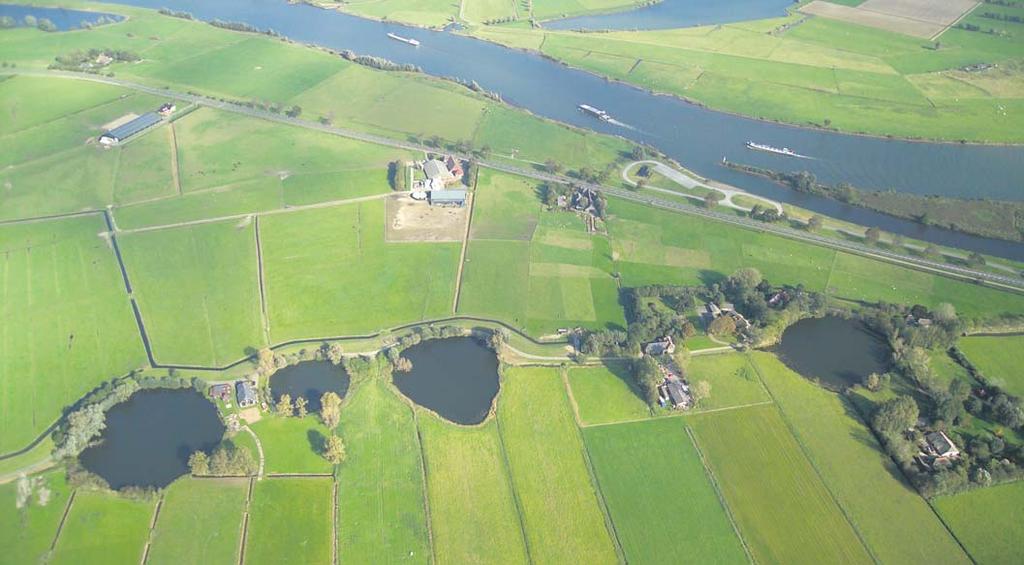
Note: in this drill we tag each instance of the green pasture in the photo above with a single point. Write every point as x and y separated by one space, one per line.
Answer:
290 521
204 278
143 168
473 514
606 394
381 506
329 272
560 508
26 532
429 13
293 445
65 322
891 518
796 520
95 513
733 381
946 370
235 202
554 9
486 10
987 521
200 522
662 502
998 358
506 207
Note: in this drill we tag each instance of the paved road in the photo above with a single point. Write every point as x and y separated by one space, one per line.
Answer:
1003 281
686 181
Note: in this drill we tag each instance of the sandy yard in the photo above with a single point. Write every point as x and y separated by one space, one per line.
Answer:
413 220
118 122
919 18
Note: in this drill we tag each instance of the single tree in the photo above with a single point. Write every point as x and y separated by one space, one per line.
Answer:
976 259
284 405
873 382
815 223
403 365
265 361
300 407
199 463
872 235
330 409
700 391
931 251
722 325
334 450
553 167
711 200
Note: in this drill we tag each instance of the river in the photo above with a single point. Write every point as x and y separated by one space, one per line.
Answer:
670 14
696 137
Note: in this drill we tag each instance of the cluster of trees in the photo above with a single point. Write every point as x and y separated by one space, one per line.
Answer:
44 24
79 60
967 26
7 22
242 26
379 63
769 214
227 459
174 14
88 418
1003 17
294 112
396 176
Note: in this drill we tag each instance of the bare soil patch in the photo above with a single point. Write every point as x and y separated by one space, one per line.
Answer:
414 220
918 18
118 122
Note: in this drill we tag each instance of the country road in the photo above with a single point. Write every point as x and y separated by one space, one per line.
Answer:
688 182
1002 281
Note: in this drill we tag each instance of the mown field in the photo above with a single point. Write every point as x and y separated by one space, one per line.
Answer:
797 518
895 522
560 508
988 522
998 358
607 394
473 512
27 532
381 498
293 445
290 520
821 72
200 522
202 277
657 488
65 322
103 529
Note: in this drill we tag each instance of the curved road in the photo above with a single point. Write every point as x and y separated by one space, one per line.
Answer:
686 181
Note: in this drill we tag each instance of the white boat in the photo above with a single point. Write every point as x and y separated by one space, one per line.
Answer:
595 112
771 149
396 37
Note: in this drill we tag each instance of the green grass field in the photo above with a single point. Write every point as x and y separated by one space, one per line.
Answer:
93 513
606 394
998 359
291 445
381 507
65 322
820 72
794 521
290 520
987 521
733 381
200 522
322 267
473 515
894 521
27 532
657 490
202 277
560 508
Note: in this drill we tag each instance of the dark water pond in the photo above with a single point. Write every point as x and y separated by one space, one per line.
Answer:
149 438
310 380
455 377
63 18
695 136
836 352
678 13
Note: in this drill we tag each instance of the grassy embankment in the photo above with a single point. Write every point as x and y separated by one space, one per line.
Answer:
820 72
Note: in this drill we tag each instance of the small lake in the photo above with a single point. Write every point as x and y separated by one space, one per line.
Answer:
63 18
149 438
670 14
834 351
455 377
310 380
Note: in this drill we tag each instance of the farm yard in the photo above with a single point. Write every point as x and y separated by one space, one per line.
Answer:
215 248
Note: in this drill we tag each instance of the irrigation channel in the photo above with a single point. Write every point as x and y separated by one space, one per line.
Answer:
695 136
455 377
834 352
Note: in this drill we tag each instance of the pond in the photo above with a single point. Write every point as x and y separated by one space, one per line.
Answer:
670 14
695 136
310 380
63 18
455 377
149 438
835 352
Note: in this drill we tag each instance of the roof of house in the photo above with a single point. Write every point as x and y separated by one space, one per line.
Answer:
448 196
245 391
676 392
435 169
940 442
133 127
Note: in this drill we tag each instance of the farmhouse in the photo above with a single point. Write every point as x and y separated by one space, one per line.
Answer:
660 347
167 108
941 447
714 311
442 173
674 392
124 131
455 198
221 391
245 393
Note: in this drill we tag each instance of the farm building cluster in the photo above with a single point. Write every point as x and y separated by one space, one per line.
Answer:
937 450
441 185
583 200
244 392
674 390
135 125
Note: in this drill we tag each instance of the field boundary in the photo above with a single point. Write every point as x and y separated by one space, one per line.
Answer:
245 523
152 529
260 279
465 246
426 487
63 519
512 485
718 493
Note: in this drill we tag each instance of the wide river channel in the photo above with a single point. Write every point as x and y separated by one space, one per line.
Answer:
696 137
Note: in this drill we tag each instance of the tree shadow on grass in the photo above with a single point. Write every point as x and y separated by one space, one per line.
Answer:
317 441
